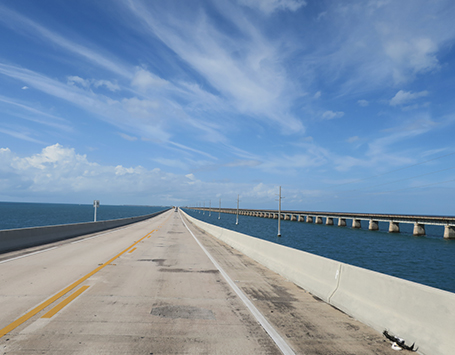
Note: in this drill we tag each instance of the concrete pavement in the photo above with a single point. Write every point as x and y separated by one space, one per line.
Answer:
150 289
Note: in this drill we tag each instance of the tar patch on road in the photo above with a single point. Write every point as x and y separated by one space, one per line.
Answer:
186 312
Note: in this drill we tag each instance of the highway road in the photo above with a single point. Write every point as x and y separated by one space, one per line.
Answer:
162 286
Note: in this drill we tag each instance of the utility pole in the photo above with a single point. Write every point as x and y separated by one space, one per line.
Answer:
237 219
219 211
279 214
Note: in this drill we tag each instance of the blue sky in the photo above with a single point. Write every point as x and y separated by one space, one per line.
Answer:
348 105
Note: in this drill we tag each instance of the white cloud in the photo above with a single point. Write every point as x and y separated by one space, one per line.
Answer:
144 80
58 173
317 95
330 115
363 103
87 83
269 6
353 139
21 23
128 137
246 71
404 97
24 87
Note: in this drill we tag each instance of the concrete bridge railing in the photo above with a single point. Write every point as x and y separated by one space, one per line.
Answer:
394 220
417 313
15 239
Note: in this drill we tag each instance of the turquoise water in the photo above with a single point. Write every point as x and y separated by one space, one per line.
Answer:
23 215
429 260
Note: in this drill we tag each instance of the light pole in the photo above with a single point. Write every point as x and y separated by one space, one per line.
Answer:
219 211
210 208
279 214
96 204
237 219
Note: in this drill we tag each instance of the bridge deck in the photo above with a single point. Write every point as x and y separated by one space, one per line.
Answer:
164 297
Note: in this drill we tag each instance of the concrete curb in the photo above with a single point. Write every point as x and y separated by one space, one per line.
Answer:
15 239
414 312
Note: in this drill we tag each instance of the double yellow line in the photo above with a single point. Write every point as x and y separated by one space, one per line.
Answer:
54 298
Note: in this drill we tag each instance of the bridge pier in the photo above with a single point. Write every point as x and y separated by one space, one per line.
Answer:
419 229
309 219
287 217
329 221
356 223
394 227
449 232
341 222
293 217
301 218
318 220
373 225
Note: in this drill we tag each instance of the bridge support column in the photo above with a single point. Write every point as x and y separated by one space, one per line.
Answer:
356 223
287 217
341 222
373 225
309 219
329 221
318 220
394 227
301 218
419 229
293 217
449 232
275 216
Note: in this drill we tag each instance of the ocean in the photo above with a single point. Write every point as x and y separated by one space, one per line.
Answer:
23 215
428 260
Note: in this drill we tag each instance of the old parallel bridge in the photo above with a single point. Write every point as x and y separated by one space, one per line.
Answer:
394 220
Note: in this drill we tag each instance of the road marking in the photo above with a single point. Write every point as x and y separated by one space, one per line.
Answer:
279 341
23 256
131 250
62 304
51 300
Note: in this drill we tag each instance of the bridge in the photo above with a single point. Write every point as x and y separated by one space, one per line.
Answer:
394 220
173 285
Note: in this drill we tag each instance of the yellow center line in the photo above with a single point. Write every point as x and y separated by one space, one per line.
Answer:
51 300
62 304
131 250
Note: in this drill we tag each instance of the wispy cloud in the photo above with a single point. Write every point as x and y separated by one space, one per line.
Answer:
404 97
251 80
22 23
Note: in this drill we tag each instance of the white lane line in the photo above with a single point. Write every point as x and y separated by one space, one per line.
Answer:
23 256
279 341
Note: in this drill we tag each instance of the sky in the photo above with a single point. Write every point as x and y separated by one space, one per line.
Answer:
349 106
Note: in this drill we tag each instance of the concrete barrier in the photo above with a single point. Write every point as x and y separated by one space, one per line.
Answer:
15 239
414 312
